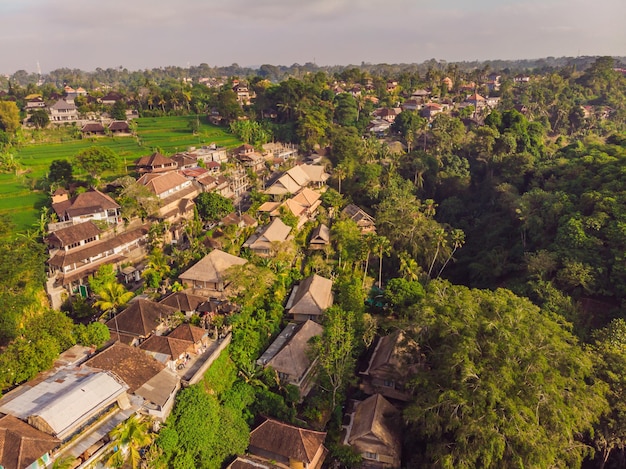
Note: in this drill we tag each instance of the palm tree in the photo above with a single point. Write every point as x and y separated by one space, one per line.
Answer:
439 237
130 436
458 239
112 296
369 243
408 267
384 248
341 172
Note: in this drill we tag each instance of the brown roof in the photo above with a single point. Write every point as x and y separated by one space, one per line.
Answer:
74 234
287 441
92 127
393 356
235 219
183 301
313 296
133 365
320 235
155 160
376 419
166 345
63 258
188 332
92 201
119 126
293 359
162 182
140 319
21 445
212 267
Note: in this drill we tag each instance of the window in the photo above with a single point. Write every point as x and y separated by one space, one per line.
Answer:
389 383
368 455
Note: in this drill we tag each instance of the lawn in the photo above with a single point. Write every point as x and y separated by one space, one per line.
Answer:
166 134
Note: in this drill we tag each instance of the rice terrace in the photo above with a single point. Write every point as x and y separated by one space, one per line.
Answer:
22 201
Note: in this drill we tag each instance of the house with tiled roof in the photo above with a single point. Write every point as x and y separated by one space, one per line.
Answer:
139 321
185 160
248 156
310 299
320 237
175 191
287 445
23 446
290 355
119 127
76 254
268 238
63 111
175 348
91 205
185 302
374 432
155 163
34 103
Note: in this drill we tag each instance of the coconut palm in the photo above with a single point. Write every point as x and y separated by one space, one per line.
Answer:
130 436
111 297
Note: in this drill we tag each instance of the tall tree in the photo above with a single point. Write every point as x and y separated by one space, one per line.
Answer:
95 160
502 384
131 436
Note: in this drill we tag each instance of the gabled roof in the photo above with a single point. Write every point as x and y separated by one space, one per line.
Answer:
239 220
320 235
293 359
160 387
313 296
166 345
74 233
119 126
189 333
307 197
140 319
63 105
475 97
212 267
132 365
183 301
160 183
21 445
155 159
287 440
393 355
284 185
92 127
90 202
377 418
299 175
275 232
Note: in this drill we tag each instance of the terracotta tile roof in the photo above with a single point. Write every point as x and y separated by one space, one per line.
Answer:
21 445
162 182
165 345
194 172
188 333
287 440
183 301
140 319
134 366
92 201
74 234
235 219
307 197
63 258
155 160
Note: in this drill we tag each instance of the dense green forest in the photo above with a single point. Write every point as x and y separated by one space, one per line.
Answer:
499 247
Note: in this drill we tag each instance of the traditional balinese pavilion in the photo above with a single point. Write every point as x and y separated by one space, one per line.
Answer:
209 275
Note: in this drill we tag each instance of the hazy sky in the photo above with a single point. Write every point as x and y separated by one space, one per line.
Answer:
140 34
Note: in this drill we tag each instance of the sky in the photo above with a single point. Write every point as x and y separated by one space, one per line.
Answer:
143 34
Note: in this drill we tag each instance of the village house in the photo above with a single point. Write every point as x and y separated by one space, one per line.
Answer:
140 320
320 238
147 379
282 445
23 446
119 127
176 348
185 302
310 299
393 360
209 274
289 355
374 432
268 239
92 129
364 221
176 194
155 163
66 401
34 104
63 111
90 205
249 157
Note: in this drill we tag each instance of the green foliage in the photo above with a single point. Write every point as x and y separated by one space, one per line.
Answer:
502 383
401 293
212 206
40 118
94 334
60 172
96 160
9 117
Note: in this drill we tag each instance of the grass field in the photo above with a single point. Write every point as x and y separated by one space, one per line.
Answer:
167 134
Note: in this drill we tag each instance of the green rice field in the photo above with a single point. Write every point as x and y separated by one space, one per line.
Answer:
166 134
